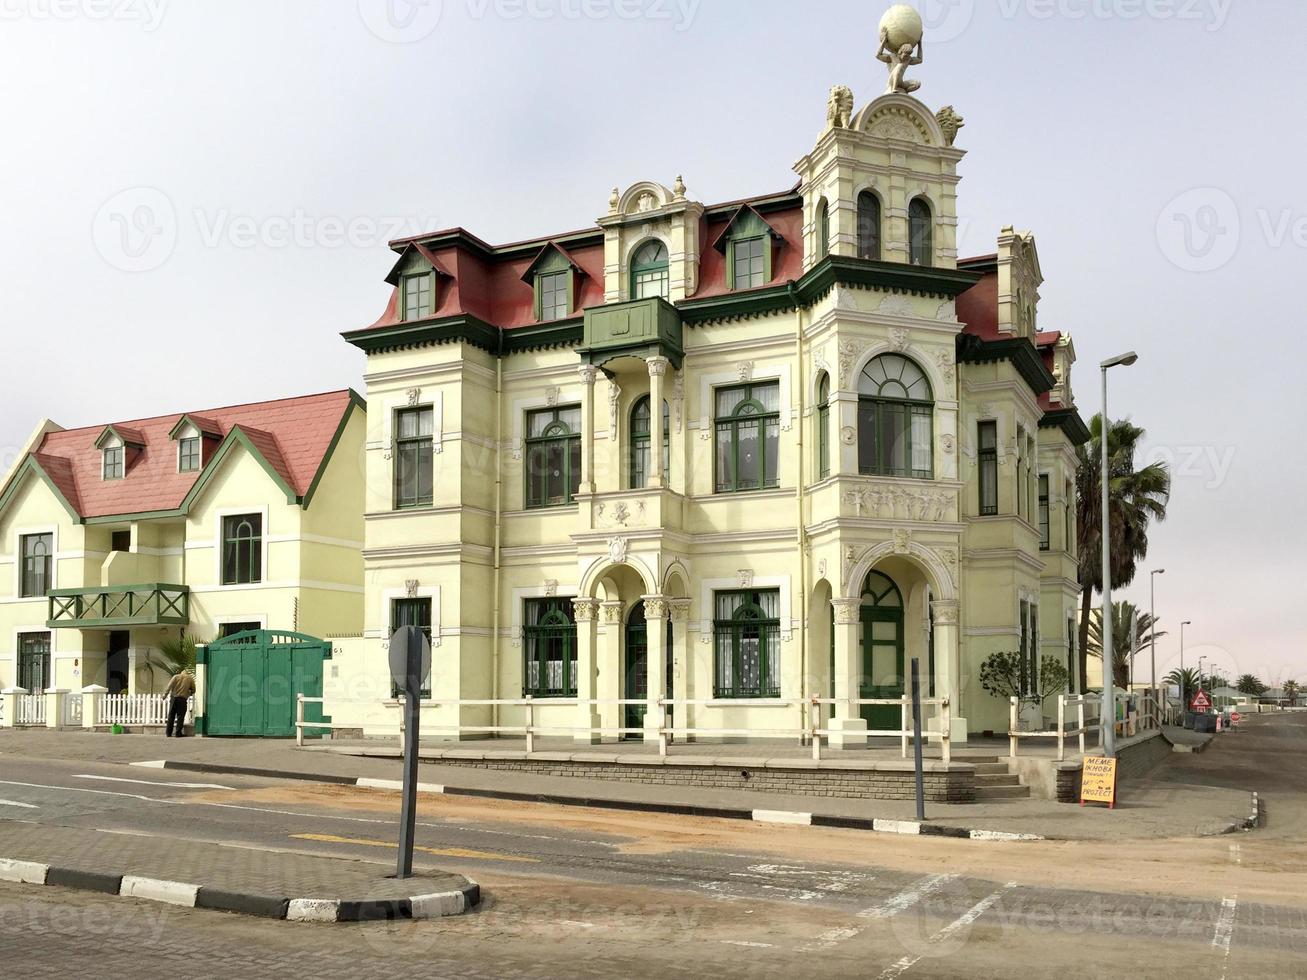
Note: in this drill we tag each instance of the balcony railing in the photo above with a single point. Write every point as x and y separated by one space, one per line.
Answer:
115 607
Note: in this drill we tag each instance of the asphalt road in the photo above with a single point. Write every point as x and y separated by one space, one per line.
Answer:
588 893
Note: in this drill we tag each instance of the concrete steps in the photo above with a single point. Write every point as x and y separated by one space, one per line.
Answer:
995 782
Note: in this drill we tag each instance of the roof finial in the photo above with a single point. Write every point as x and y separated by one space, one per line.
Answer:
615 200
901 46
679 188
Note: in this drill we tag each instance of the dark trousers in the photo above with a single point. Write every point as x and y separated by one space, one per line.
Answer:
177 717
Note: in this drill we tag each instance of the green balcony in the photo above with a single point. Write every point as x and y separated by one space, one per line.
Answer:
119 607
641 328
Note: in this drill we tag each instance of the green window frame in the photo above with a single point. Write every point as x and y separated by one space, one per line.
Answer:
412 612
896 419
553 295
747 446
1045 532
34 662
823 427
987 463
823 229
414 457
747 644
553 457
549 665
749 263
242 549
868 226
921 238
37 575
115 458
1022 483
418 294
642 439
651 272
1069 518
189 453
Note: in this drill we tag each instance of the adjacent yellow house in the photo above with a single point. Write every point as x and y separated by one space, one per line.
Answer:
209 523
737 455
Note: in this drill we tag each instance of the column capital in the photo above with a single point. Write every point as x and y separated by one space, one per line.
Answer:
680 610
944 613
589 374
847 611
658 366
656 606
587 610
612 611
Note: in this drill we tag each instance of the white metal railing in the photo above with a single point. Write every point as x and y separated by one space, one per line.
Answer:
808 732
137 709
1061 732
30 709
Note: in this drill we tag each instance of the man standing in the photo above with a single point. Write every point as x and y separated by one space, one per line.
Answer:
180 690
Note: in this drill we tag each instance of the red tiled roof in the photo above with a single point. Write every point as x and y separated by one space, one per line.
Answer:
1047 338
129 436
293 434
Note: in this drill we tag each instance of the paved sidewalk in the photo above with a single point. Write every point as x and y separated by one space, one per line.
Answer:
270 884
1147 808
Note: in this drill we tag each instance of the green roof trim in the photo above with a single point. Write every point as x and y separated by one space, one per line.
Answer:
186 420
1019 350
423 333
1070 422
236 437
110 430
916 280
31 467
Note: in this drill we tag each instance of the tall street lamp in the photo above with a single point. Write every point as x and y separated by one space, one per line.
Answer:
1187 622
1152 630
1105 534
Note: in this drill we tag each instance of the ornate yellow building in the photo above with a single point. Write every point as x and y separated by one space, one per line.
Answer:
736 454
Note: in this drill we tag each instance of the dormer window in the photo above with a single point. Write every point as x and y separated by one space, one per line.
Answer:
418 294
189 454
748 243
553 290
553 276
114 462
749 265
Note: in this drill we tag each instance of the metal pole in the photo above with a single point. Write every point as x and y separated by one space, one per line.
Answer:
1152 612
916 739
412 717
1105 537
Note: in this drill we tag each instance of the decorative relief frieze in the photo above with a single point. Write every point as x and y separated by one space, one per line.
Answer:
898 503
849 352
614 405
945 360
678 402
896 305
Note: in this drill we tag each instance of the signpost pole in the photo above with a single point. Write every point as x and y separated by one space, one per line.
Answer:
413 674
916 739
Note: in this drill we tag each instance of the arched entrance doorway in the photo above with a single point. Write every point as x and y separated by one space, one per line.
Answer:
882 649
636 674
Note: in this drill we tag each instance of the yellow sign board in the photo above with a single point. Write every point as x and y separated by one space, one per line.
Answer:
1098 781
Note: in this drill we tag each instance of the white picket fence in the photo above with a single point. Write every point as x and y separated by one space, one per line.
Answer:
30 709
137 709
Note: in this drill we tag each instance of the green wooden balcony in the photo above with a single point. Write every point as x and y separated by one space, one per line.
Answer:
639 328
115 607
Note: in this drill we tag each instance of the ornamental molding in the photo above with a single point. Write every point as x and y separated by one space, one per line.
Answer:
612 612
897 503
848 612
902 541
948 443
586 610
848 435
821 568
551 587
411 588
745 369
658 366
614 404
944 613
680 610
414 396
678 403
618 550
746 578
552 395
900 339
947 367
849 352
655 607
947 311
589 374
896 304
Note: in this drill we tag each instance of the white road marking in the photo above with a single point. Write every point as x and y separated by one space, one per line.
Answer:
151 765
906 898
963 921
747 945
152 782
25 806
1225 931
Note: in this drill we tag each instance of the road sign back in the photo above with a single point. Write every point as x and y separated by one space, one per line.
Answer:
400 644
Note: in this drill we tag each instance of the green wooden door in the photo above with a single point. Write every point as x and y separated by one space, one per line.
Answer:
254 682
882 651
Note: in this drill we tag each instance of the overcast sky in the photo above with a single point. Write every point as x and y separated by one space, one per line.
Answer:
196 199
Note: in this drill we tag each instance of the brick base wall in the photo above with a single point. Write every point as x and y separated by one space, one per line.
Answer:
957 785
1133 761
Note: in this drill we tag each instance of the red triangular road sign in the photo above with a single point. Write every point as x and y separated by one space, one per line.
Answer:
1201 702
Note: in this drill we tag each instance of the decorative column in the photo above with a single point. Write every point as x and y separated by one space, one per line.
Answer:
848 720
844 432
587 611
655 615
682 661
609 654
657 372
948 673
588 375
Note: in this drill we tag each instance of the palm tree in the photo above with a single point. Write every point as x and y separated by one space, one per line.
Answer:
1291 692
1250 684
173 656
1187 681
1122 643
1136 498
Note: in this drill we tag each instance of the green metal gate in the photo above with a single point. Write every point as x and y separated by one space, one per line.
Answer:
254 680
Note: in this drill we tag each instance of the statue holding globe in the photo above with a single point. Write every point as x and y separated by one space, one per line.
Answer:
901 33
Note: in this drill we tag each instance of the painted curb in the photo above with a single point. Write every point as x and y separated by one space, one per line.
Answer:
186 895
786 817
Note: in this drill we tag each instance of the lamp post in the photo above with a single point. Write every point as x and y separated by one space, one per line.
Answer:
1152 632
1185 705
1105 536
1200 672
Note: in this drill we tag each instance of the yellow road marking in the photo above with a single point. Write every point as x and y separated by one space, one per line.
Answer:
452 852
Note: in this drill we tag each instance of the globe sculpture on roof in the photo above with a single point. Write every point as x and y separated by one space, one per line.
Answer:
901 34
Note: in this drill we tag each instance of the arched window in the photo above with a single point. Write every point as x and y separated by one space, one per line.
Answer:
748 423
650 272
823 427
642 438
895 419
549 633
921 247
746 627
823 229
242 549
868 226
